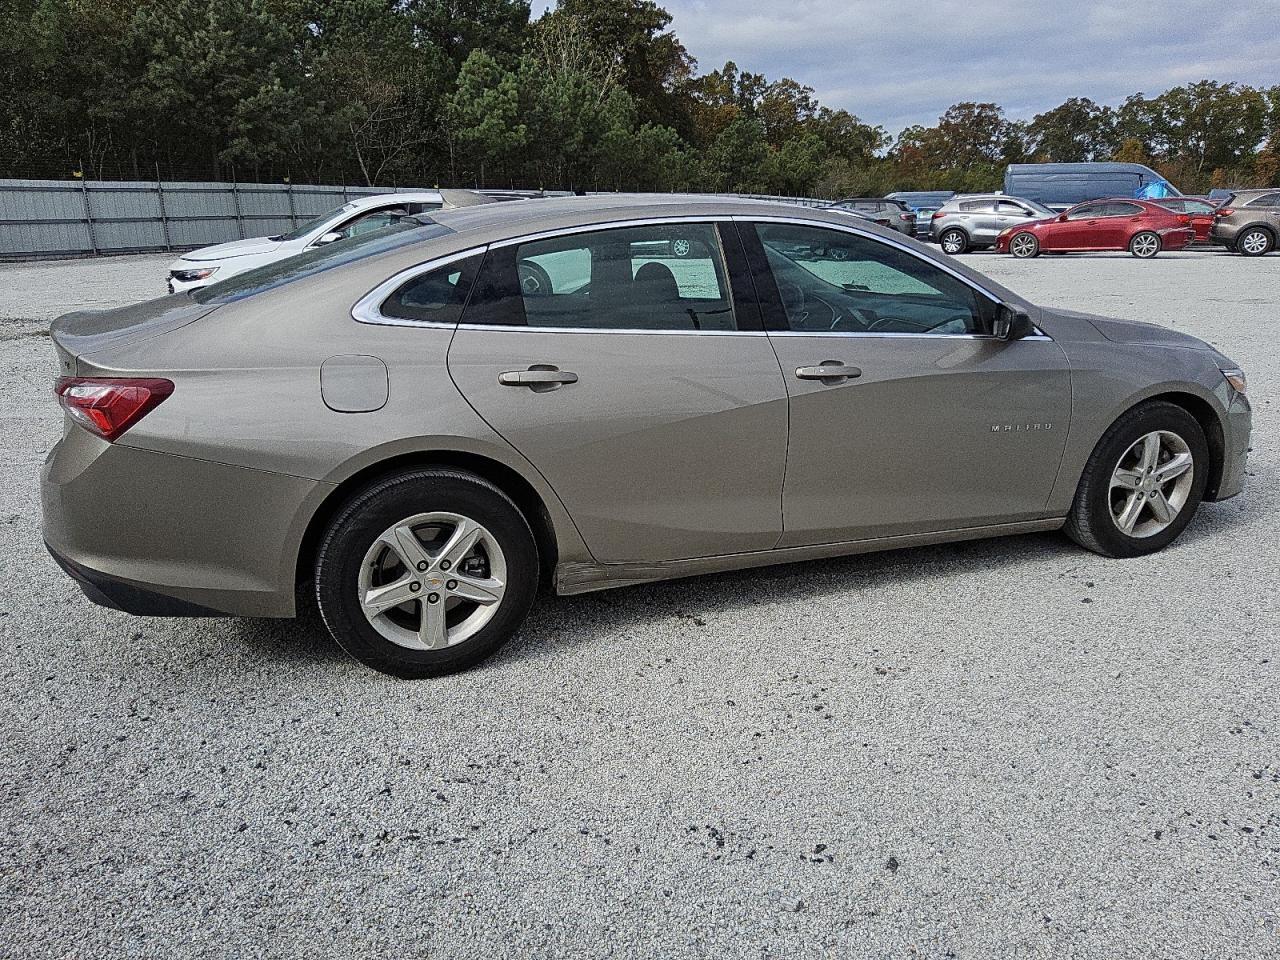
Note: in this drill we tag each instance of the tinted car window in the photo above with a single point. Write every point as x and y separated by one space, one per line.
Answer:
319 259
436 296
831 281
1266 200
977 206
1124 210
1086 211
653 277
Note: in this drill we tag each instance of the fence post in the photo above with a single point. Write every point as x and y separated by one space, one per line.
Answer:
293 211
235 196
88 212
164 214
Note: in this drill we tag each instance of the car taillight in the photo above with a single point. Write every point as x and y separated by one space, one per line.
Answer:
1223 213
906 216
937 214
108 406
1185 219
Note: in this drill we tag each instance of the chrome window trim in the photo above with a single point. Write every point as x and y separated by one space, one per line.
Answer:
608 225
887 241
368 309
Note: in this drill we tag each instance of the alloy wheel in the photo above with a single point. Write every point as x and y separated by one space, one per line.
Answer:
1254 242
1023 245
953 242
432 580
1145 245
1151 483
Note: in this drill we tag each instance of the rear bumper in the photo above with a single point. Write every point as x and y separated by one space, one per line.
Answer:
1223 233
107 591
163 535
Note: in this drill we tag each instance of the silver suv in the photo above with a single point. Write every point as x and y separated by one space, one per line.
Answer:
974 221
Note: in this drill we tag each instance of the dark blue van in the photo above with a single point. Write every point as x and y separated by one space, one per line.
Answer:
1062 185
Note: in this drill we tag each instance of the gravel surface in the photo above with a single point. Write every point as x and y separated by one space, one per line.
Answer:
1010 748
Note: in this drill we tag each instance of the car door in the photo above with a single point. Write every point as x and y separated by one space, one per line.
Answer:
1010 214
982 220
640 384
1120 221
1079 231
907 416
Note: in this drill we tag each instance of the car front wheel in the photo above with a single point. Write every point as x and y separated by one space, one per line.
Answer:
1144 245
1024 245
1254 243
426 572
1142 483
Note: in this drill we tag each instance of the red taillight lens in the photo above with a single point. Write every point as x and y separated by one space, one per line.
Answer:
906 216
108 407
937 214
1223 213
1185 219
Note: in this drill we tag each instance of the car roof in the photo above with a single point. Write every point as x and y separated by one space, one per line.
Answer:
406 196
551 213
1255 191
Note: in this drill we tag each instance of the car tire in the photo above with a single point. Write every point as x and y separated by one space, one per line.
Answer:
1254 242
1024 245
953 242
420 514
1104 499
1144 245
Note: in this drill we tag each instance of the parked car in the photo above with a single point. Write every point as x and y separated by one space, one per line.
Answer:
1249 222
1201 210
1060 185
454 438
922 203
208 265
1142 227
971 222
893 213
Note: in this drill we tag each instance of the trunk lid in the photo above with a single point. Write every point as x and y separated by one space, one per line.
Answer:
86 332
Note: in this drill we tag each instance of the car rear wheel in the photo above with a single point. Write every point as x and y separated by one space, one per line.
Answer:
426 572
954 242
1024 245
1254 242
1142 483
1144 245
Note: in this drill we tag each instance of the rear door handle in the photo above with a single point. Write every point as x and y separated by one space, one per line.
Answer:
540 377
828 371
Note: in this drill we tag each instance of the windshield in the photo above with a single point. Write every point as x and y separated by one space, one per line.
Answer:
307 264
297 233
1039 209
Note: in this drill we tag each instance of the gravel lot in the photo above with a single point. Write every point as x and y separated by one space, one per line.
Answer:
1009 748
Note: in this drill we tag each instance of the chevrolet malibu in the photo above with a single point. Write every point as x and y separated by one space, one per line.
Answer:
1142 227
416 429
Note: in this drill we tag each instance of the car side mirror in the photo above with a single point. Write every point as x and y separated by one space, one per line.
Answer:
329 237
1011 324
1062 218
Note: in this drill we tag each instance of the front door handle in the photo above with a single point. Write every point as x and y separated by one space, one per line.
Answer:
540 378
828 371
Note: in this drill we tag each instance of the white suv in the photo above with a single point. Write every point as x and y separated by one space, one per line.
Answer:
211 264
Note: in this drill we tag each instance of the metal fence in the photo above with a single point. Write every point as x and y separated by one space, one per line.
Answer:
72 218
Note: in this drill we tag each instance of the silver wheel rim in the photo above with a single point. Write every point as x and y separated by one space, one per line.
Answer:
440 555
1151 484
680 248
952 243
1254 242
1023 245
1145 245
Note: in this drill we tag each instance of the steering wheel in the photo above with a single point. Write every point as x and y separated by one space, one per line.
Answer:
534 280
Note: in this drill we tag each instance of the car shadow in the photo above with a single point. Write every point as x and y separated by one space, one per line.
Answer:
560 620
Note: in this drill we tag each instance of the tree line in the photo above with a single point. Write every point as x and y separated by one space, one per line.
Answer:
595 94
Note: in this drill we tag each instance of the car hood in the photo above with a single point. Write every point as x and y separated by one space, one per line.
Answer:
1134 331
87 332
236 248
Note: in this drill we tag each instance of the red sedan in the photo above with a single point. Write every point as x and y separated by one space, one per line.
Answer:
1139 226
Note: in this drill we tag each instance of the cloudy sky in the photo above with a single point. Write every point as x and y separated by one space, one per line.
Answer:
899 62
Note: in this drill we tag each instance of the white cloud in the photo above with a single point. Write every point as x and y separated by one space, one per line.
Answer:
896 63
